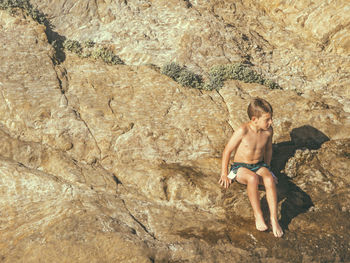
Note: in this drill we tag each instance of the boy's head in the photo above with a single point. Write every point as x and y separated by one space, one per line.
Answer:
257 107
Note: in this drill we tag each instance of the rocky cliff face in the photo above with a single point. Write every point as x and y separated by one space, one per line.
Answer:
119 163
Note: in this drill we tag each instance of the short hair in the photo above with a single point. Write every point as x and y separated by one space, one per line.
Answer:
258 107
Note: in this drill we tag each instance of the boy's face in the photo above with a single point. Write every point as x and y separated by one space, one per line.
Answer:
264 122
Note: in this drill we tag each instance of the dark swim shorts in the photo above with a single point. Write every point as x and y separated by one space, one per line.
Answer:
254 167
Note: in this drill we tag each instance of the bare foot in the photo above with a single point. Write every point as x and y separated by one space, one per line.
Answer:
276 228
260 223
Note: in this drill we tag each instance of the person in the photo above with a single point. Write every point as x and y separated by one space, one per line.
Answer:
251 144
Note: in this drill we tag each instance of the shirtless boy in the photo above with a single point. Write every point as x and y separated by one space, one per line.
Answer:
251 144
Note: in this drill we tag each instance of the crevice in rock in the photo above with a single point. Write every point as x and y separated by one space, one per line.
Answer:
116 180
188 3
138 222
325 173
125 130
55 40
97 11
241 91
27 9
45 174
70 189
165 188
6 102
109 105
59 80
326 40
76 111
81 172
168 109
227 109
224 54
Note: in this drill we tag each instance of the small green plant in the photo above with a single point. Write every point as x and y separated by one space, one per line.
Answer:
172 70
26 6
182 75
218 74
107 56
271 84
89 43
73 46
14 6
91 49
190 79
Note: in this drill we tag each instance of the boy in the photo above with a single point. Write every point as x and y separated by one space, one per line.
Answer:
252 147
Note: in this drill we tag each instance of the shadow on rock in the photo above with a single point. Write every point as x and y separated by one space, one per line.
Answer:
56 40
295 200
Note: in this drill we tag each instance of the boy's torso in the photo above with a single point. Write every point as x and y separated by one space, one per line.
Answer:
252 146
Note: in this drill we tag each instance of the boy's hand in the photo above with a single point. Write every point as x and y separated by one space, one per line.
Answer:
224 181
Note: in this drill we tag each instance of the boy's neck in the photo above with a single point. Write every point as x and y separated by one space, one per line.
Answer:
254 127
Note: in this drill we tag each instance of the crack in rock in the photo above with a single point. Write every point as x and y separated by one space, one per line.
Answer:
138 222
227 109
76 111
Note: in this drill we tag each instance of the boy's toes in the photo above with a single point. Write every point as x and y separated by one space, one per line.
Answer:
278 232
276 228
261 226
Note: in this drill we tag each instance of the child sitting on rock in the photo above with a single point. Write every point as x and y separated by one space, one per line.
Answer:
252 147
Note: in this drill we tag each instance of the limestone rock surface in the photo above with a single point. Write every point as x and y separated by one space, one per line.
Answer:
302 45
103 163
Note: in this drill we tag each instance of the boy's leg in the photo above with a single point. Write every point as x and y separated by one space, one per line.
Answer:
252 180
271 196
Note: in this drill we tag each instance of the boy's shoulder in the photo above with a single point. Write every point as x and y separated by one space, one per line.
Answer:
243 128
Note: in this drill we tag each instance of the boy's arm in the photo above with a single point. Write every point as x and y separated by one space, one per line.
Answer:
231 146
268 150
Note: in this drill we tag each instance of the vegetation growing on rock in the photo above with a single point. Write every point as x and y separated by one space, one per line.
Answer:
238 71
91 49
73 46
72 135
26 6
182 75
217 76
107 56
86 50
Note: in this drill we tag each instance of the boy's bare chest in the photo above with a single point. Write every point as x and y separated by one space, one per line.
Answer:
254 141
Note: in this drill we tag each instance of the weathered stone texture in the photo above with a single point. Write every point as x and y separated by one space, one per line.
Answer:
290 42
102 163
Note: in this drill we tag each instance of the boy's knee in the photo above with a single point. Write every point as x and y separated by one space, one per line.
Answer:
253 179
268 180
264 171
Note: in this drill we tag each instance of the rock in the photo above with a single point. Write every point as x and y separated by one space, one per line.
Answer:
47 218
32 95
291 44
324 179
323 24
301 157
119 163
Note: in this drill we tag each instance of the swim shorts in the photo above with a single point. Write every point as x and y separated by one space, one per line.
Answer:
254 167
